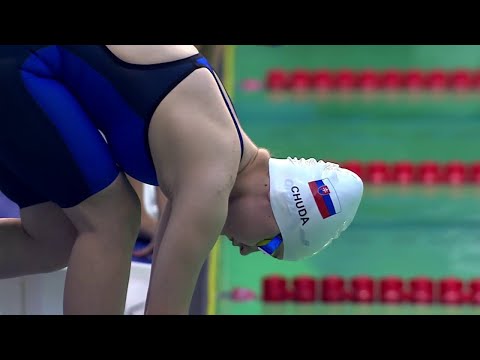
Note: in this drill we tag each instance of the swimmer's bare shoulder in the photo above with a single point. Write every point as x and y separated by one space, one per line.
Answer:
193 138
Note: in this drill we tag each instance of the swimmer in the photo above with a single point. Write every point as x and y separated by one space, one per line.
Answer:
77 119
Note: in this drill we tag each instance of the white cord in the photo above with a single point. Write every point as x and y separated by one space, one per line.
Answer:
150 200
135 308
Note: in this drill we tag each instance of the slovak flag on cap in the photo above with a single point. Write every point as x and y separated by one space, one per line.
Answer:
325 197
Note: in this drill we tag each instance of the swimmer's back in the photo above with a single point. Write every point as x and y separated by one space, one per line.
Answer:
152 54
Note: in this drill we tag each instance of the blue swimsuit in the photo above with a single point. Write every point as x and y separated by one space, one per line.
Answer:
54 102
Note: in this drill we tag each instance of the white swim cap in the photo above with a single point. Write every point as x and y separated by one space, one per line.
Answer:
313 202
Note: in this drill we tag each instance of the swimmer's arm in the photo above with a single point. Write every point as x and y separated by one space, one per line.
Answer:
198 214
199 154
